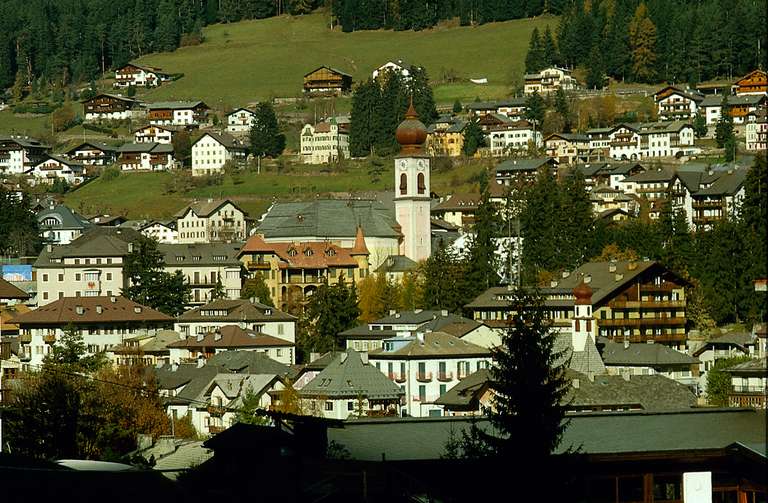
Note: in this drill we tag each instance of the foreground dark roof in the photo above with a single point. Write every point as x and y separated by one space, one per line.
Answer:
96 241
594 433
11 291
650 392
651 355
231 336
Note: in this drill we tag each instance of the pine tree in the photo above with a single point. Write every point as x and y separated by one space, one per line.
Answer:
167 31
549 49
724 128
534 59
596 69
364 119
256 288
421 91
149 284
699 125
642 37
482 267
266 139
457 107
564 109
535 108
473 138
529 387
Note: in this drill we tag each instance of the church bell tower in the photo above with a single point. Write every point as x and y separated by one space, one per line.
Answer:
412 201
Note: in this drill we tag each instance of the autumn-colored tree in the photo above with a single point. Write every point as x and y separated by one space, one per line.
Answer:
642 39
613 252
63 118
289 401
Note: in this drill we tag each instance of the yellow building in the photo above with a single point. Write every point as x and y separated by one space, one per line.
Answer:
294 270
445 138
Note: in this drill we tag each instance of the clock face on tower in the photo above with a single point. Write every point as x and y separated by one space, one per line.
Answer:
403 165
421 165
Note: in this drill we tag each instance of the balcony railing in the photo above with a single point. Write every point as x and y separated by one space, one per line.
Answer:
215 429
639 322
647 304
649 337
417 398
750 389
258 265
396 376
216 411
49 339
424 376
25 338
445 376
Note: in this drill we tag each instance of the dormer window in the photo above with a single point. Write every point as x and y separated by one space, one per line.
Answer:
179 258
330 252
308 252
292 252
196 258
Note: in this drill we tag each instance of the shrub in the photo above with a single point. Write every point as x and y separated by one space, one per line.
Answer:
110 173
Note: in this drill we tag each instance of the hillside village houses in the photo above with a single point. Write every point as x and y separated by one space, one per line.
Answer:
111 107
548 81
145 157
325 142
177 113
739 107
517 137
633 141
674 103
650 186
19 154
211 220
163 231
568 148
205 266
212 151
133 75
749 382
609 174
155 134
240 120
757 132
93 154
230 338
103 321
58 168
327 81
512 108
398 66
755 82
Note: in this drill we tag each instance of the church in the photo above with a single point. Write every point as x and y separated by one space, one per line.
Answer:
405 232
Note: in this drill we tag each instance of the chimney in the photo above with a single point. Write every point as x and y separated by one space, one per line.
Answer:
392 312
619 277
576 383
625 375
587 278
566 274
217 334
130 247
420 337
113 299
137 309
344 356
49 248
417 311
200 337
99 309
612 267
254 300
174 367
632 266
553 283
444 312
200 362
364 357
397 315
626 342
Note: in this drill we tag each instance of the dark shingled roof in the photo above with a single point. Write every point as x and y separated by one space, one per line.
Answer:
208 253
206 207
225 139
757 367
231 336
651 392
348 377
397 263
96 241
467 391
251 362
236 311
68 218
434 345
648 355
728 184
328 218
594 433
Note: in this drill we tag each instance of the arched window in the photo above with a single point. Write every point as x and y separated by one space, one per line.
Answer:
403 184
420 183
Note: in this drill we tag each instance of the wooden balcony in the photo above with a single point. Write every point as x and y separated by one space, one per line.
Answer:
396 377
647 304
254 265
665 286
213 430
25 338
424 376
49 339
663 321
755 400
643 339
216 411
707 204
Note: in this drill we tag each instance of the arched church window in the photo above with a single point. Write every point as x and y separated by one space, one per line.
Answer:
420 183
403 184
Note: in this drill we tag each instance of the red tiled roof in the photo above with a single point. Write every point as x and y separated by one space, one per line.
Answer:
315 255
360 248
113 309
231 336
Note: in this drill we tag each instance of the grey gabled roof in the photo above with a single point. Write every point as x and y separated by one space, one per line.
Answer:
251 362
466 391
651 392
197 254
225 139
433 345
206 207
153 147
237 310
95 144
96 241
328 218
758 367
587 361
348 377
397 263
68 218
664 174
728 184
716 100
524 164
647 355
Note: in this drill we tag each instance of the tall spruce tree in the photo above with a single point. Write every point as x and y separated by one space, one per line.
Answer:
724 128
473 138
535 109
483 267
549 49
534 59
265 136
642 37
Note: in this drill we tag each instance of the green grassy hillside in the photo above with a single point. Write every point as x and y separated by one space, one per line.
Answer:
254 60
